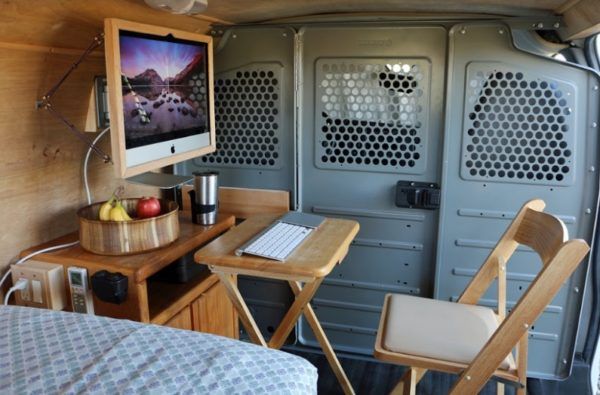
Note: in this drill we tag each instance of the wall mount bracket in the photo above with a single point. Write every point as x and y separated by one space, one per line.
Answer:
413 194
46 103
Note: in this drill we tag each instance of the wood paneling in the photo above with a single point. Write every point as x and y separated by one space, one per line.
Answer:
582 19
41 163
73 23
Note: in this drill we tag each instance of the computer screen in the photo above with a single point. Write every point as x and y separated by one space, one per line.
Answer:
160 93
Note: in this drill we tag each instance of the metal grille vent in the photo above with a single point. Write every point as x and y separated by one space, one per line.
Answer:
247 117
372 114
198 95
518 128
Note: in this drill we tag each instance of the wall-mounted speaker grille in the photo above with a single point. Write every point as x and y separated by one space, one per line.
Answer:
371 114
518 127
248 118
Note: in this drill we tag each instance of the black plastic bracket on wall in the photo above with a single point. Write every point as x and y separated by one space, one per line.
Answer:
413 194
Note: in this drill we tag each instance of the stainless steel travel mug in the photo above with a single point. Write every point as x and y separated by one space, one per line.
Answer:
204 198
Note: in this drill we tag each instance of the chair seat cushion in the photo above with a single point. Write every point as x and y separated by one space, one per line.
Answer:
438 329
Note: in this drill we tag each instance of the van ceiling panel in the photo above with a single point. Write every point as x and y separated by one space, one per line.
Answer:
546 148
262 10
388 104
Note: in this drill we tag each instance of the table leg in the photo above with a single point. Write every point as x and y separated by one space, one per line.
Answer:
242 309
311 318
291 317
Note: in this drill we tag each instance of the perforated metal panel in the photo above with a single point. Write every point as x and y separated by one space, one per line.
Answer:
373 97
518 126
248 110
534 113
372 113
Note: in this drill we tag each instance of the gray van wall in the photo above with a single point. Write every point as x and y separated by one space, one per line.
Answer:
362 106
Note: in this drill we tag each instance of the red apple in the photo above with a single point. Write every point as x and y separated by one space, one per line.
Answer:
148 207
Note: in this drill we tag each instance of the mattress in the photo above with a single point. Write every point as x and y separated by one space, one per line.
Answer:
45 351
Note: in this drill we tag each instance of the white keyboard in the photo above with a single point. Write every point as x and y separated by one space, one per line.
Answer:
277 242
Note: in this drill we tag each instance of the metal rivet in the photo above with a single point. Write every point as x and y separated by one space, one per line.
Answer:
564 361
595 87
592 169
501 31
594 125
588 210
284 34
569 110
213 32
526 326
540 25
468 378
576 290
463 31
234 36
556 25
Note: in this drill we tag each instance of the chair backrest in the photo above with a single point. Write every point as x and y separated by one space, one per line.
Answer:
543 232
244 202
546 235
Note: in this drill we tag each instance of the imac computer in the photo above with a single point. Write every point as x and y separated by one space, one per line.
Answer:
160 87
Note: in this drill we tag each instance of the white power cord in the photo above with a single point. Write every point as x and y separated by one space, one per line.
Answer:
85 164
20 285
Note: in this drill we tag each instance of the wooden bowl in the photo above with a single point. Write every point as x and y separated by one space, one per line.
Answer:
128 237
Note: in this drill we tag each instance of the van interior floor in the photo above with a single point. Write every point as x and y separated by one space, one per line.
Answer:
372 377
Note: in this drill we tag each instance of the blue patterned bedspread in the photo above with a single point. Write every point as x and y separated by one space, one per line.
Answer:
44 351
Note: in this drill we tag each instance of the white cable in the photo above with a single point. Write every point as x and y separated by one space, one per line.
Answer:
20 285
85 165
58 247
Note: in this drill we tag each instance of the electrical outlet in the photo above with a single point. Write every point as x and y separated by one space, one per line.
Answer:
45 287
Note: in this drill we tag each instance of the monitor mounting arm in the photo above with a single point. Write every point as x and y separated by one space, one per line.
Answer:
45 102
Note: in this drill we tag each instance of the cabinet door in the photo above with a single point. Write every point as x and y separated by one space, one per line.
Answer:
181 320
213 313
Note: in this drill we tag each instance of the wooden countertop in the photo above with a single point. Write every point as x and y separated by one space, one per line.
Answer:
315 257
140 266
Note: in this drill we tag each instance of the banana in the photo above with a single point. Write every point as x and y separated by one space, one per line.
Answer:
124 212
118 213
104 212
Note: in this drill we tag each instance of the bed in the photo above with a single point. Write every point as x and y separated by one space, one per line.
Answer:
45 351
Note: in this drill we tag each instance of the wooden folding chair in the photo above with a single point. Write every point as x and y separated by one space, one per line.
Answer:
474 341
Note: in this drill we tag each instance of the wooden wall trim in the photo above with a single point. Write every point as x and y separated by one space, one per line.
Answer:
581 19
565 6
50 50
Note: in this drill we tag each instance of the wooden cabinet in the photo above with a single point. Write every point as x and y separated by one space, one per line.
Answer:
214 313
181 320
200 304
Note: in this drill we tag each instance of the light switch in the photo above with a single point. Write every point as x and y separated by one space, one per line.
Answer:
36 287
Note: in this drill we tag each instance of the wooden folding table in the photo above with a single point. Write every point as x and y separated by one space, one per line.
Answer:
309 264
